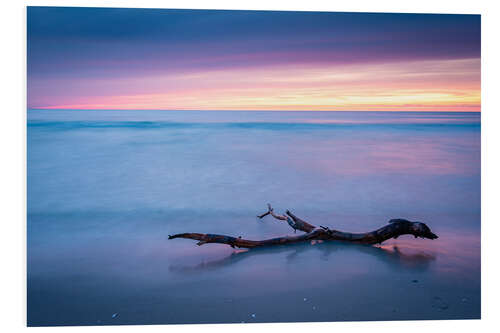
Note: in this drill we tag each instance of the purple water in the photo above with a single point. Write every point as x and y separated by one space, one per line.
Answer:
106 188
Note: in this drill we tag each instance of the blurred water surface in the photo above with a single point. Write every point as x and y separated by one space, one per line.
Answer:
105 188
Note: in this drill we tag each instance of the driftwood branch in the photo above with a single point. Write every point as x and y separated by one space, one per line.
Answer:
292 220
394 229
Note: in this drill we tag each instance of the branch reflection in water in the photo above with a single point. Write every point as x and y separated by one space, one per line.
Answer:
390 255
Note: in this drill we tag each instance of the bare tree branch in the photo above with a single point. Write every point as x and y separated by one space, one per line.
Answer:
394 229
292 220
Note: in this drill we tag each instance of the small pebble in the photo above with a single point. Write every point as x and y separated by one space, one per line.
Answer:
439 303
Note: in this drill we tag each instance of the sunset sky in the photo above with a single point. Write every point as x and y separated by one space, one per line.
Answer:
102 58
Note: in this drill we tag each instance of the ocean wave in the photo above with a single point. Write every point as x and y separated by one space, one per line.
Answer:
74 125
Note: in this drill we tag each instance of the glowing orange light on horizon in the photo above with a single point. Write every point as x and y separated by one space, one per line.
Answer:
432 85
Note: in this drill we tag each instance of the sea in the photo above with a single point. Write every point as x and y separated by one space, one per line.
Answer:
105 188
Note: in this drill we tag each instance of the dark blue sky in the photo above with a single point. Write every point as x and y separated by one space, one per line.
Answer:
63 37
72 42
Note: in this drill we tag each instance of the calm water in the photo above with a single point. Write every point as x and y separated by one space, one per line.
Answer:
106 188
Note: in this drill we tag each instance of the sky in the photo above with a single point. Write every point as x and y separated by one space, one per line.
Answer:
118 58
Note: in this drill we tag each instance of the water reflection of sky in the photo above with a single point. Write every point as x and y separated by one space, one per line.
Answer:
103 198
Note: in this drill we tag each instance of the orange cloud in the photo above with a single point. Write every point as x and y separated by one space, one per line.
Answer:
433 85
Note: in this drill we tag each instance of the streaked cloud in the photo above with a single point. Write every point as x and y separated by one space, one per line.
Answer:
225 60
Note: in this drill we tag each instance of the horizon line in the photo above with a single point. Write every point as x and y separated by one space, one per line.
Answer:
246 110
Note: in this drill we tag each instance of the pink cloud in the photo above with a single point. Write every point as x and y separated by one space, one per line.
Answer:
447 85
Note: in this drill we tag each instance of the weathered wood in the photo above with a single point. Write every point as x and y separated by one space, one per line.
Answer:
394 229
